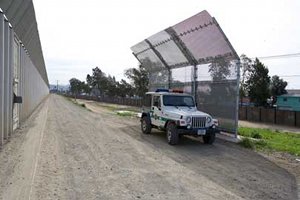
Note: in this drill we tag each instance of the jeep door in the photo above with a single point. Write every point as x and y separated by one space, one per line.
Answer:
156 111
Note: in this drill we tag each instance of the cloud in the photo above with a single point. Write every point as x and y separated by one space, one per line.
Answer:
79 35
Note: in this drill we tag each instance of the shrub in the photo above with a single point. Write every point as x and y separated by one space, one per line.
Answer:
247 143
256 135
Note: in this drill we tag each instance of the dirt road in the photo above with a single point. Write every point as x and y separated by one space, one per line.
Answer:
65 151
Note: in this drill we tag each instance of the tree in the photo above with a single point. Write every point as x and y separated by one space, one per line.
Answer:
246 66
86 88
258 83
219 69
111 86
277 88
125 89
75 86
98 80
139 78
89 81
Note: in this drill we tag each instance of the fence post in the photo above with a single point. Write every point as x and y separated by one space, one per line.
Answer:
295 118
275 116
259 114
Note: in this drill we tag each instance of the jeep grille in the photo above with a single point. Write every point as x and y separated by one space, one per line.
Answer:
198 122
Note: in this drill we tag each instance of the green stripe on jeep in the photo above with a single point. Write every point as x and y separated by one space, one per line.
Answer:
164 119
161 118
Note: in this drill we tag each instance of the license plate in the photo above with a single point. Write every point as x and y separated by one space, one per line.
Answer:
201 132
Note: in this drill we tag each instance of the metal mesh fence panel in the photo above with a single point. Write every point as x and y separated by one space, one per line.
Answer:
203 38
217 91
158 74
162 42
182 78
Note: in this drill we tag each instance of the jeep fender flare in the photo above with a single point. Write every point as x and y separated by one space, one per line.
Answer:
146 114
169 120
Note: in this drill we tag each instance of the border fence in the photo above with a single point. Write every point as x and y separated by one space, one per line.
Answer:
113 100
247 113
271 116
23 76
196 56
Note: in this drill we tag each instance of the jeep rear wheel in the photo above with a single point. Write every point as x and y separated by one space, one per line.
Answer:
146 125
209 139
172 134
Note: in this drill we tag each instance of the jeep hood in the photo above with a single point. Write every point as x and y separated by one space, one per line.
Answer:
184 111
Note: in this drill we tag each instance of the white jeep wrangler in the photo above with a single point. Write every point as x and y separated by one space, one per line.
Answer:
177 114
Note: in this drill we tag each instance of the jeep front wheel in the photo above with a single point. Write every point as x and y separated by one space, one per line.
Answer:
209 139
146 125
172 134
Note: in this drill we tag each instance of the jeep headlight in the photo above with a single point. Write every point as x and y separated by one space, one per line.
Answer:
188 120
208 120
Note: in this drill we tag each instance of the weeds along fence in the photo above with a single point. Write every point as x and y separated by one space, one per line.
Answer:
113 100
271 116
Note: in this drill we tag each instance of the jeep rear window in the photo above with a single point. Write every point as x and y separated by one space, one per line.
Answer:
172 100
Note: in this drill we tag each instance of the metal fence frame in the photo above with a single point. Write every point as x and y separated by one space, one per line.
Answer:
191 61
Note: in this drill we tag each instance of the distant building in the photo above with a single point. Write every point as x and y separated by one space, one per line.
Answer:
293 91
288 102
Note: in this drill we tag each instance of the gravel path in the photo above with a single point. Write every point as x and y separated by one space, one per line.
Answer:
65 151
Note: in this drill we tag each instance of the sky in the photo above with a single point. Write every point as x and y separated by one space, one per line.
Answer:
78 35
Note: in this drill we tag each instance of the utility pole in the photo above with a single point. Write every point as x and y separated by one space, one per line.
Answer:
56 86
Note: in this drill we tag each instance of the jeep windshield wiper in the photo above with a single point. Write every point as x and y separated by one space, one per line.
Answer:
185 105
176 106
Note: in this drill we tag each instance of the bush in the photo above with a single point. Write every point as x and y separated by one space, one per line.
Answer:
247 143
261 144
256 135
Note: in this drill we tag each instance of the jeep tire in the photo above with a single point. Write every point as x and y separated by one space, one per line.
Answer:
209 139
172 134
146 125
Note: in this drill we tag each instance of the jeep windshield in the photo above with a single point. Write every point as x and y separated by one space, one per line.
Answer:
173 100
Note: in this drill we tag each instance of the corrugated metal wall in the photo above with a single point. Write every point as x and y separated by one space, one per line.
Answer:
33 88
6 98
1 78
19 76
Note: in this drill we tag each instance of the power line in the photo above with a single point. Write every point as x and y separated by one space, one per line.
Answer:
291 55
297 75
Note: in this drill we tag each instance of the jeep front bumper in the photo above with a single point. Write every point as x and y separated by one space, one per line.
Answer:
182 130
